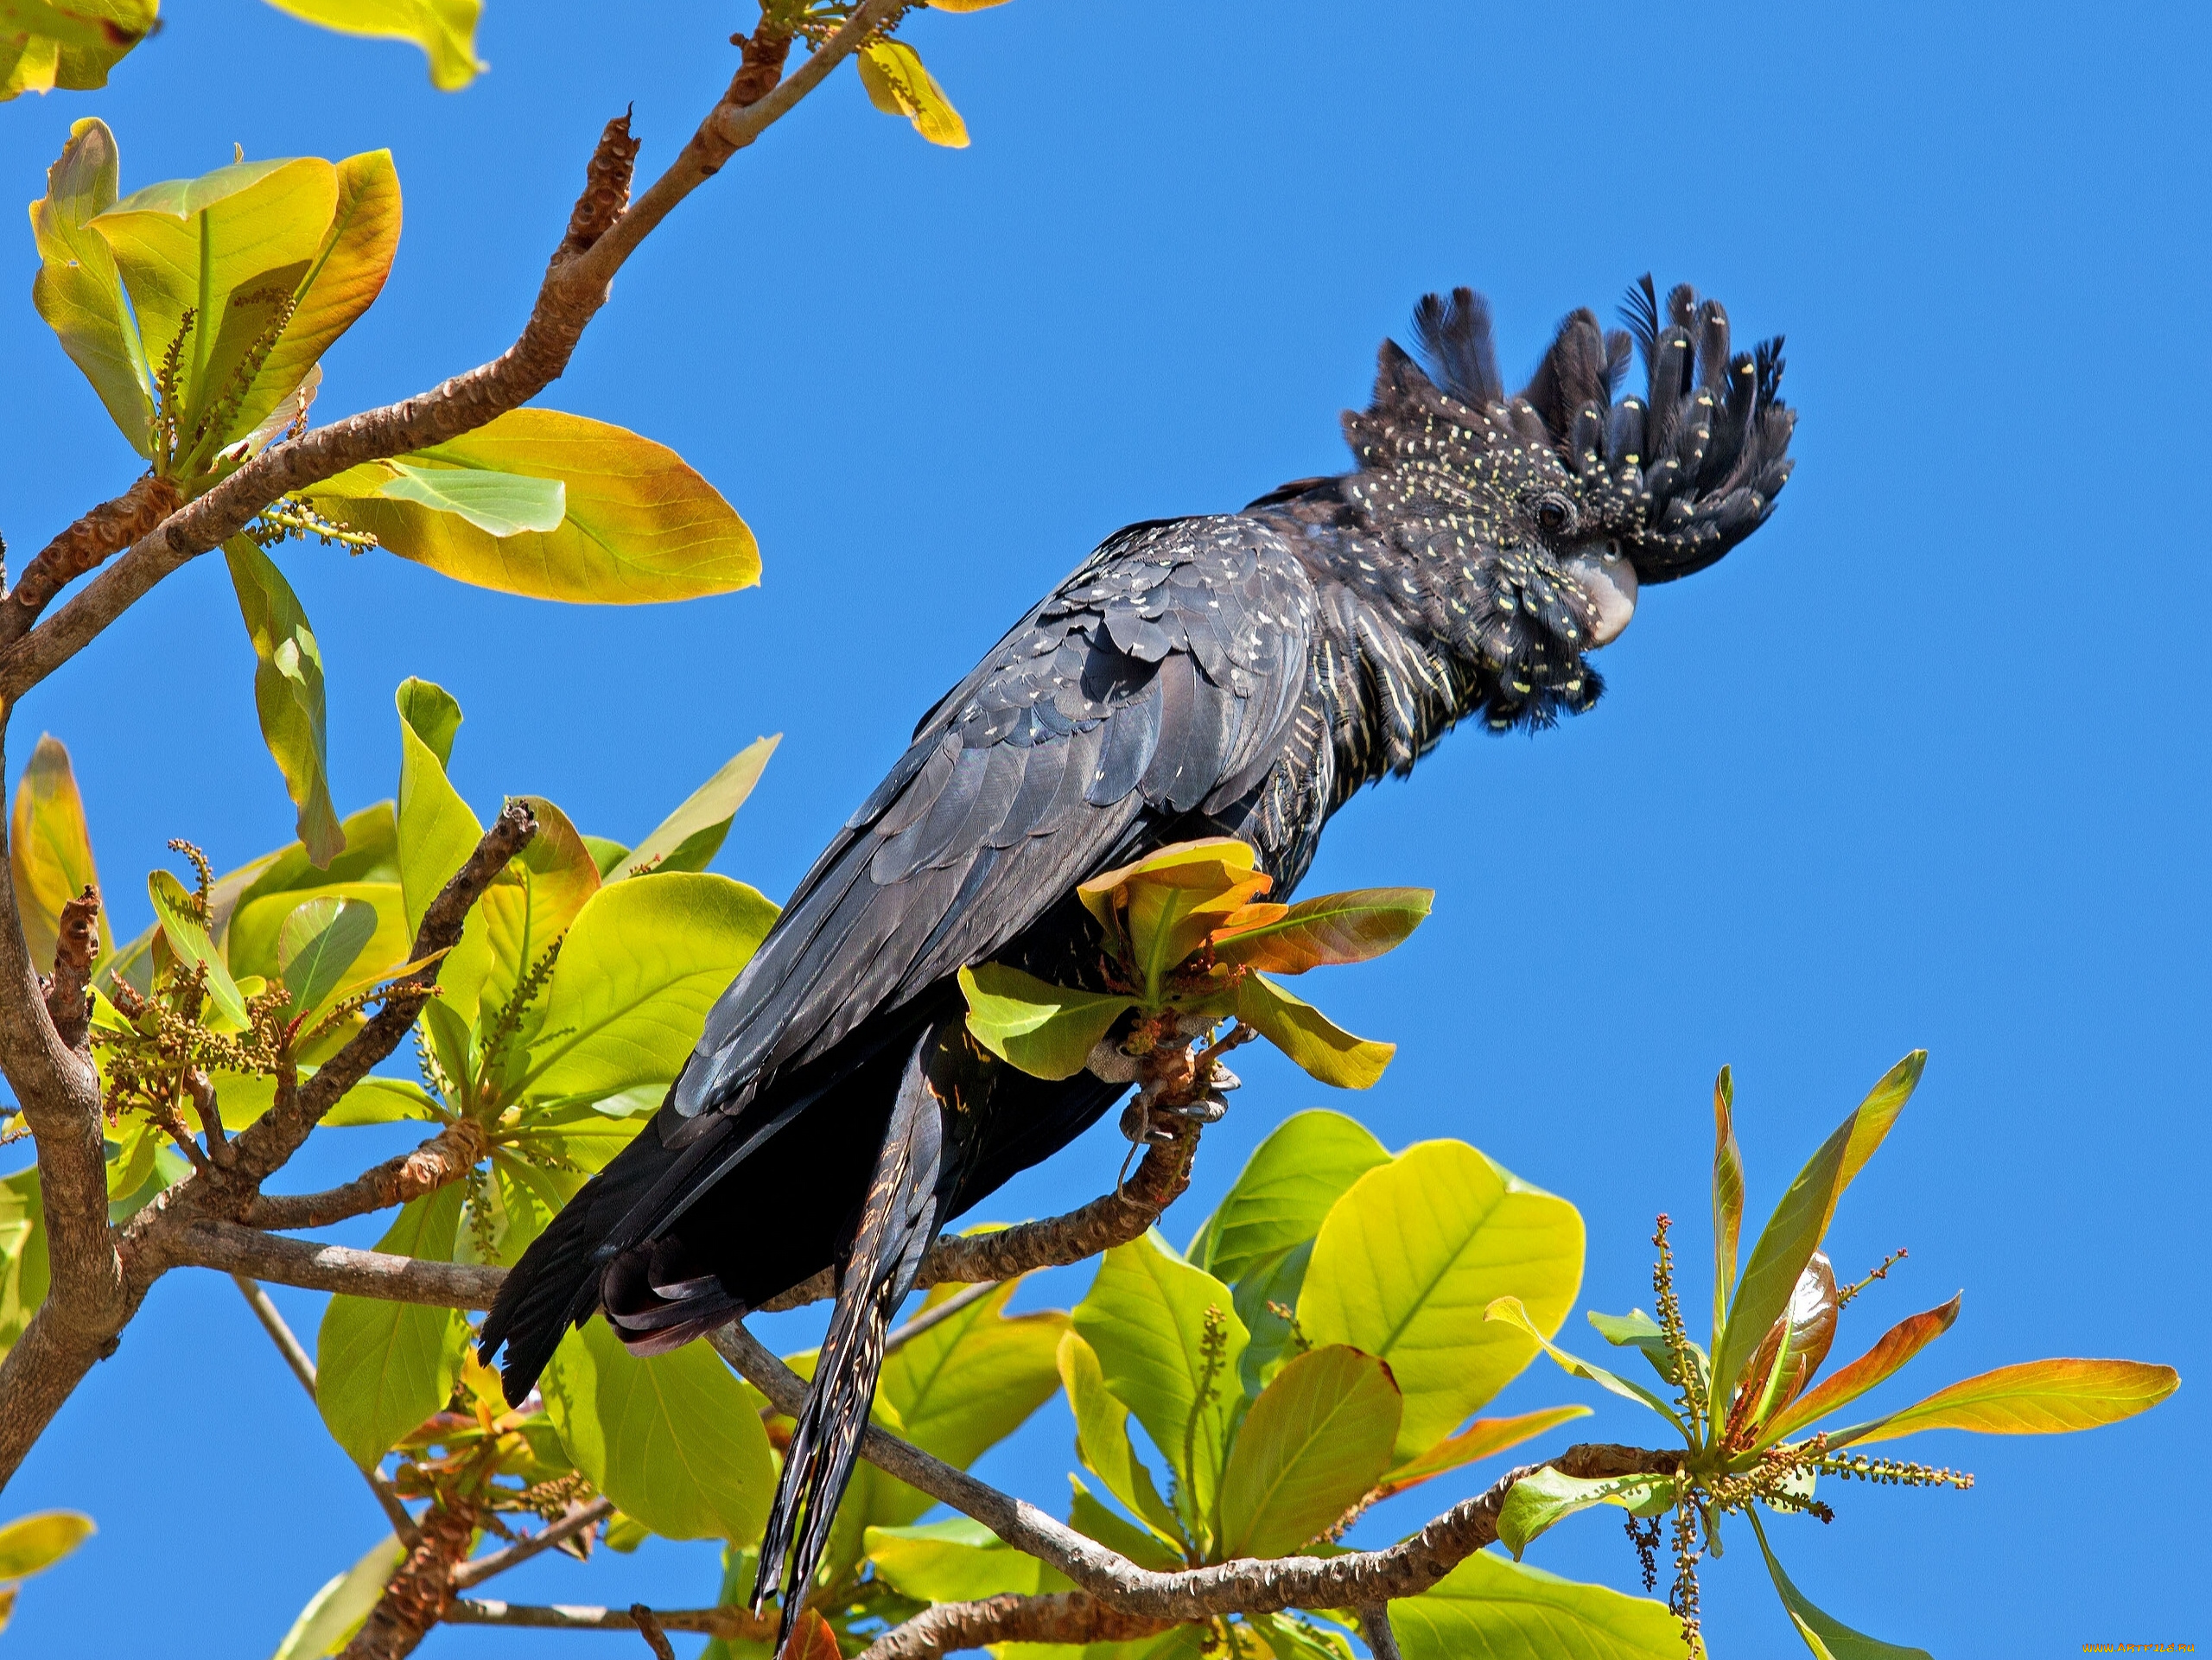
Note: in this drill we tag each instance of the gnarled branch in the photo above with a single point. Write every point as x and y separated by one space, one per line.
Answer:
733 1623
1061 1617
447 1156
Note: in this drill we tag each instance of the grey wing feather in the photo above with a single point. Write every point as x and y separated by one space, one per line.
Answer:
1168 666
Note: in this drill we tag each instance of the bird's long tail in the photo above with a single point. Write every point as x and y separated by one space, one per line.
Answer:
897 1223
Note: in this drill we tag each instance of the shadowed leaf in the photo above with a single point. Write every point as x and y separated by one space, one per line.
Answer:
381 1368
188 937
288 692
1827 1636
318 943
1537 1502
1047 1031
1102 1424
1489 1606
78 290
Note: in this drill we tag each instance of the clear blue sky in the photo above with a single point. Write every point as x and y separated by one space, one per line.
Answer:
1921 764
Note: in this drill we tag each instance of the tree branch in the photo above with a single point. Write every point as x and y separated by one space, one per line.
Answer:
579 1518
1114 1219
574 289
205 1242
109 528
1358 1579
1072 1616
732 1623
447 1156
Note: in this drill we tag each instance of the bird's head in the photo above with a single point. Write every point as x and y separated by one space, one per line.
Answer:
1532 520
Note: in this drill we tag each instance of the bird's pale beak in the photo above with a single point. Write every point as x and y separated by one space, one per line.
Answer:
1609 580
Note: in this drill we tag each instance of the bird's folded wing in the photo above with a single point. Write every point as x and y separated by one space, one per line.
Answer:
1166 671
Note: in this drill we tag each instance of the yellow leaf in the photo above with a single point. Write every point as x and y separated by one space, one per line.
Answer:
49 852
73 46
445 30
897 85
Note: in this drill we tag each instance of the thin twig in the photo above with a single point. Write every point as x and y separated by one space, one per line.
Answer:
1374 1627
649 1628
303 1369
579 1518
729 1623
959 1301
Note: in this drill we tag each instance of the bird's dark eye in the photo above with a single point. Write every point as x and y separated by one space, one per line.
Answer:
1553 514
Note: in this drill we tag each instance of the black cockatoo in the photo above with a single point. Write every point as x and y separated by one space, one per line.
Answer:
1233 674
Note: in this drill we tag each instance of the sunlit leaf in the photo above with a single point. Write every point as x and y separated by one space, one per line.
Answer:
1827 1636
955 1560
673 1439
1322 1048
318 943
897 85
1335 928
1147 1316
381 1368
642 963
1877 1113
1898 1344
381 1101
1509 1311
50 851
232 248
639 526
188 937
1047 1031
78 290
1786 1245
31 1544
1489 1606
1314 1444
1162 908
1727 1198
71 44
342 1607
498 504
288 692
529 906
23 1271
693 834
1102 1423
1484 1438
2036 1397
1286 1188
445 30
1537 1501
1412 1254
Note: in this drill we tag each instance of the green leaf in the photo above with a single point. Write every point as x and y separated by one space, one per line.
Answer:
1273 1283
1409 1257
288 692
1286 1188
31 1544
381 1101
1537 1501
1786 1244
1484 1438
1727 1199
532 903
232 248
1335 928
897 85
318 943
1102 1424
178 913
642 964
432 714
956 1561
1898 1344
50 851
1146 1317
381 1368
639 526
342 1607
1047 1031
1509 1311
2036 1397
1092 1519
1324 1049
673 1439
1508 1611
498 504
1314 1444
445 30
1828 1637
693 834
23 1271
78 290
1877 1113
1290 1638
73 45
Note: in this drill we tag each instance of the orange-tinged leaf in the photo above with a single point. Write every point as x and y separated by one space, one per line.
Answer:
2036 1397
1484 1438
1876 1114
1727 1196
1794 1347
1097 893
1336 928
1898 1344
812 1639
49 851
